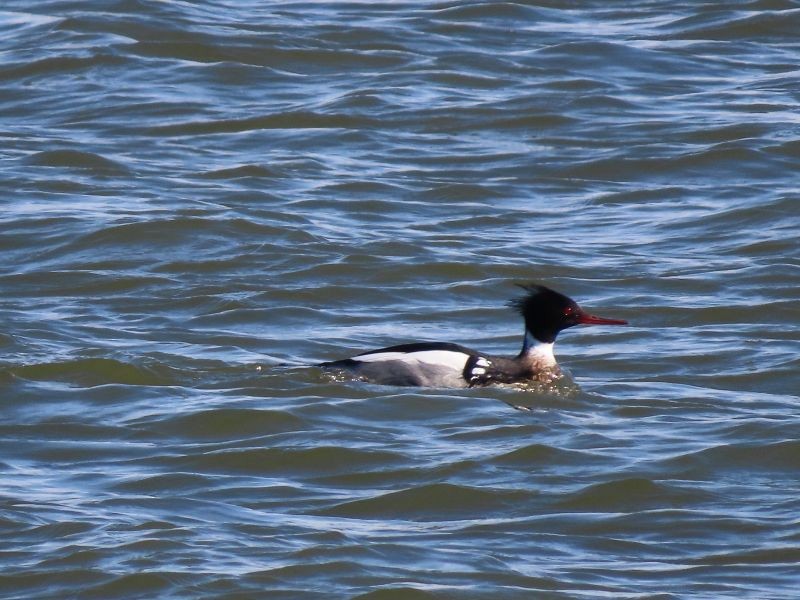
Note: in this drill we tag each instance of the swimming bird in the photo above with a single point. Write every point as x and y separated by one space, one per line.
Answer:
442 364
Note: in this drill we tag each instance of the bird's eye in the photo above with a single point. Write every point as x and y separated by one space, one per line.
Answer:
568 311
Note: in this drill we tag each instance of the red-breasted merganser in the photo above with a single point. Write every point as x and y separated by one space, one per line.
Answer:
441 364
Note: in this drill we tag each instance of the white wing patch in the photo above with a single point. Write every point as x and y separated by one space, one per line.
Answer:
444 358
478 371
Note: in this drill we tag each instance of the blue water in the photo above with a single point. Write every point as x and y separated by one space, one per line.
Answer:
199 201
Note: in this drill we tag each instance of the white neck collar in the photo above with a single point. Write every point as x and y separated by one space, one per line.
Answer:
539 352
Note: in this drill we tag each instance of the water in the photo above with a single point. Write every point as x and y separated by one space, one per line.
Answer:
200 199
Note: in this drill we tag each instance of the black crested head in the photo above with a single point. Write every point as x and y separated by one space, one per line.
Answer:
546 313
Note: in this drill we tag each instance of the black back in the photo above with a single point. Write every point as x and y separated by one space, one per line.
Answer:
422 347
405 348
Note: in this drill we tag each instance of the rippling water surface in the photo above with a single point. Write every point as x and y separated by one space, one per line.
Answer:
199 199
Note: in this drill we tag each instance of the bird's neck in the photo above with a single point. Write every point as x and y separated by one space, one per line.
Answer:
539 355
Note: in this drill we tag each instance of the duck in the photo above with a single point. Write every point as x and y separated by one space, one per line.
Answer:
545 313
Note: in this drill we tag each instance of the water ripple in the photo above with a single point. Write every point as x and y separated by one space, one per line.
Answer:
202 200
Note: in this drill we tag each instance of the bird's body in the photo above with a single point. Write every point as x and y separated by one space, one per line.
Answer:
442 364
